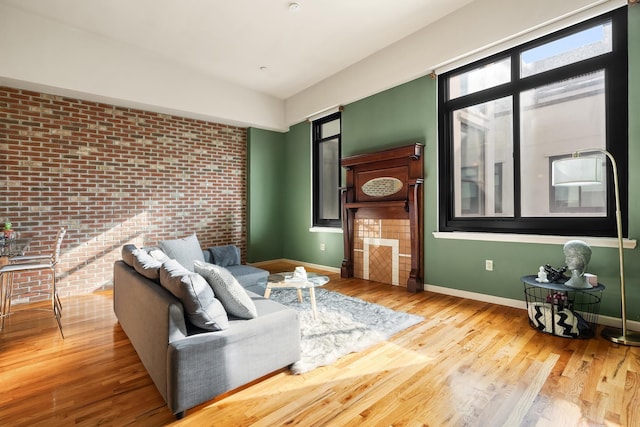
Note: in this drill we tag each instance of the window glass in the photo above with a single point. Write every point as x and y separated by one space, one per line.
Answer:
482 139
329 129
498 192
480 78
558 119
567 50
329 185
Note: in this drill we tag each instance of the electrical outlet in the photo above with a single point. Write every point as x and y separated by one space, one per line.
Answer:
488 264
322 246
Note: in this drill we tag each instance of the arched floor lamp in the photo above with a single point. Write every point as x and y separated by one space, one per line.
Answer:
576 171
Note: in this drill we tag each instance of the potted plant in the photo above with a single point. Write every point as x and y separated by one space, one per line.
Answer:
7 230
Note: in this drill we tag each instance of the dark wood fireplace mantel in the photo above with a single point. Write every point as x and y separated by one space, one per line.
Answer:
386 184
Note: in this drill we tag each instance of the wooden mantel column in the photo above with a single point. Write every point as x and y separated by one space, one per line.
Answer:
386 184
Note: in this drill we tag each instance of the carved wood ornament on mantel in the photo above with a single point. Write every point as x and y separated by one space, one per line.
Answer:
386 184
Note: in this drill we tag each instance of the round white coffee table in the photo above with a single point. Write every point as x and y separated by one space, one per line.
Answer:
287 281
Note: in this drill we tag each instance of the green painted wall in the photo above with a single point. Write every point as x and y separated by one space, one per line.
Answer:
265 178
302 244
407 114
392 118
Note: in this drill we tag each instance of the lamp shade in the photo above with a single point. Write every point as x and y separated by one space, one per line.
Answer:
575 171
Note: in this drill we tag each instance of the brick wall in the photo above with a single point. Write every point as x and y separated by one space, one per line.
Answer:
113 176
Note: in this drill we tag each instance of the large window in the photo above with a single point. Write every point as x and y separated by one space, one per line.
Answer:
503 121
326 171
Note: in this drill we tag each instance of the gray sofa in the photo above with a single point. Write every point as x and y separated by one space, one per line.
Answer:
189 365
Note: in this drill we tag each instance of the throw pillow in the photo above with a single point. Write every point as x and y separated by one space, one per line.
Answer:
225 256
185 250
231 293
199 302
159 255
146 265
558 321
127 254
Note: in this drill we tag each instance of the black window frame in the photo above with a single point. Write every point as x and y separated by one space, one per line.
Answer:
317 140
614 63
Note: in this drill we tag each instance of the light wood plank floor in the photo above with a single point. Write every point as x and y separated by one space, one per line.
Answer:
468 364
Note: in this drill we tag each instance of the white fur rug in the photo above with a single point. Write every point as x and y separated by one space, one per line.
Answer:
344 325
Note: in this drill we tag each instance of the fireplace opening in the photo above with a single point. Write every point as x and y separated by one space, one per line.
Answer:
382 250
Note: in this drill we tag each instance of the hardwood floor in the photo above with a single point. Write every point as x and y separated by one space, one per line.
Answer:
468 364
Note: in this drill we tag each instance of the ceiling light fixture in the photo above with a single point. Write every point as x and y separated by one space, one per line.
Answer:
294 7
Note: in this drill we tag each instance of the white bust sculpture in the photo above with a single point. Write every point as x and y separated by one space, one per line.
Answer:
577 256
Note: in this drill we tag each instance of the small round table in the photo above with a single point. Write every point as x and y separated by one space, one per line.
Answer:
287 281
551 307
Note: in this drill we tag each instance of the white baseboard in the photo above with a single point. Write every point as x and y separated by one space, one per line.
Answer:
476 296
602 320
508 302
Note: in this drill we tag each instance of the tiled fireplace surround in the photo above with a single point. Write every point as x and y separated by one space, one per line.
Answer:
382 250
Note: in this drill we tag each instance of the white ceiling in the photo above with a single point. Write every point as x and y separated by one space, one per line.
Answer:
231 40
202 59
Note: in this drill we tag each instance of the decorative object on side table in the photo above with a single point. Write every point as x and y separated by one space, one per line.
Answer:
542 276
577 171
577 256
555 274
8 231
299 275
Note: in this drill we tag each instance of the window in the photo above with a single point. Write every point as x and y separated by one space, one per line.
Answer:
326 171
504 119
